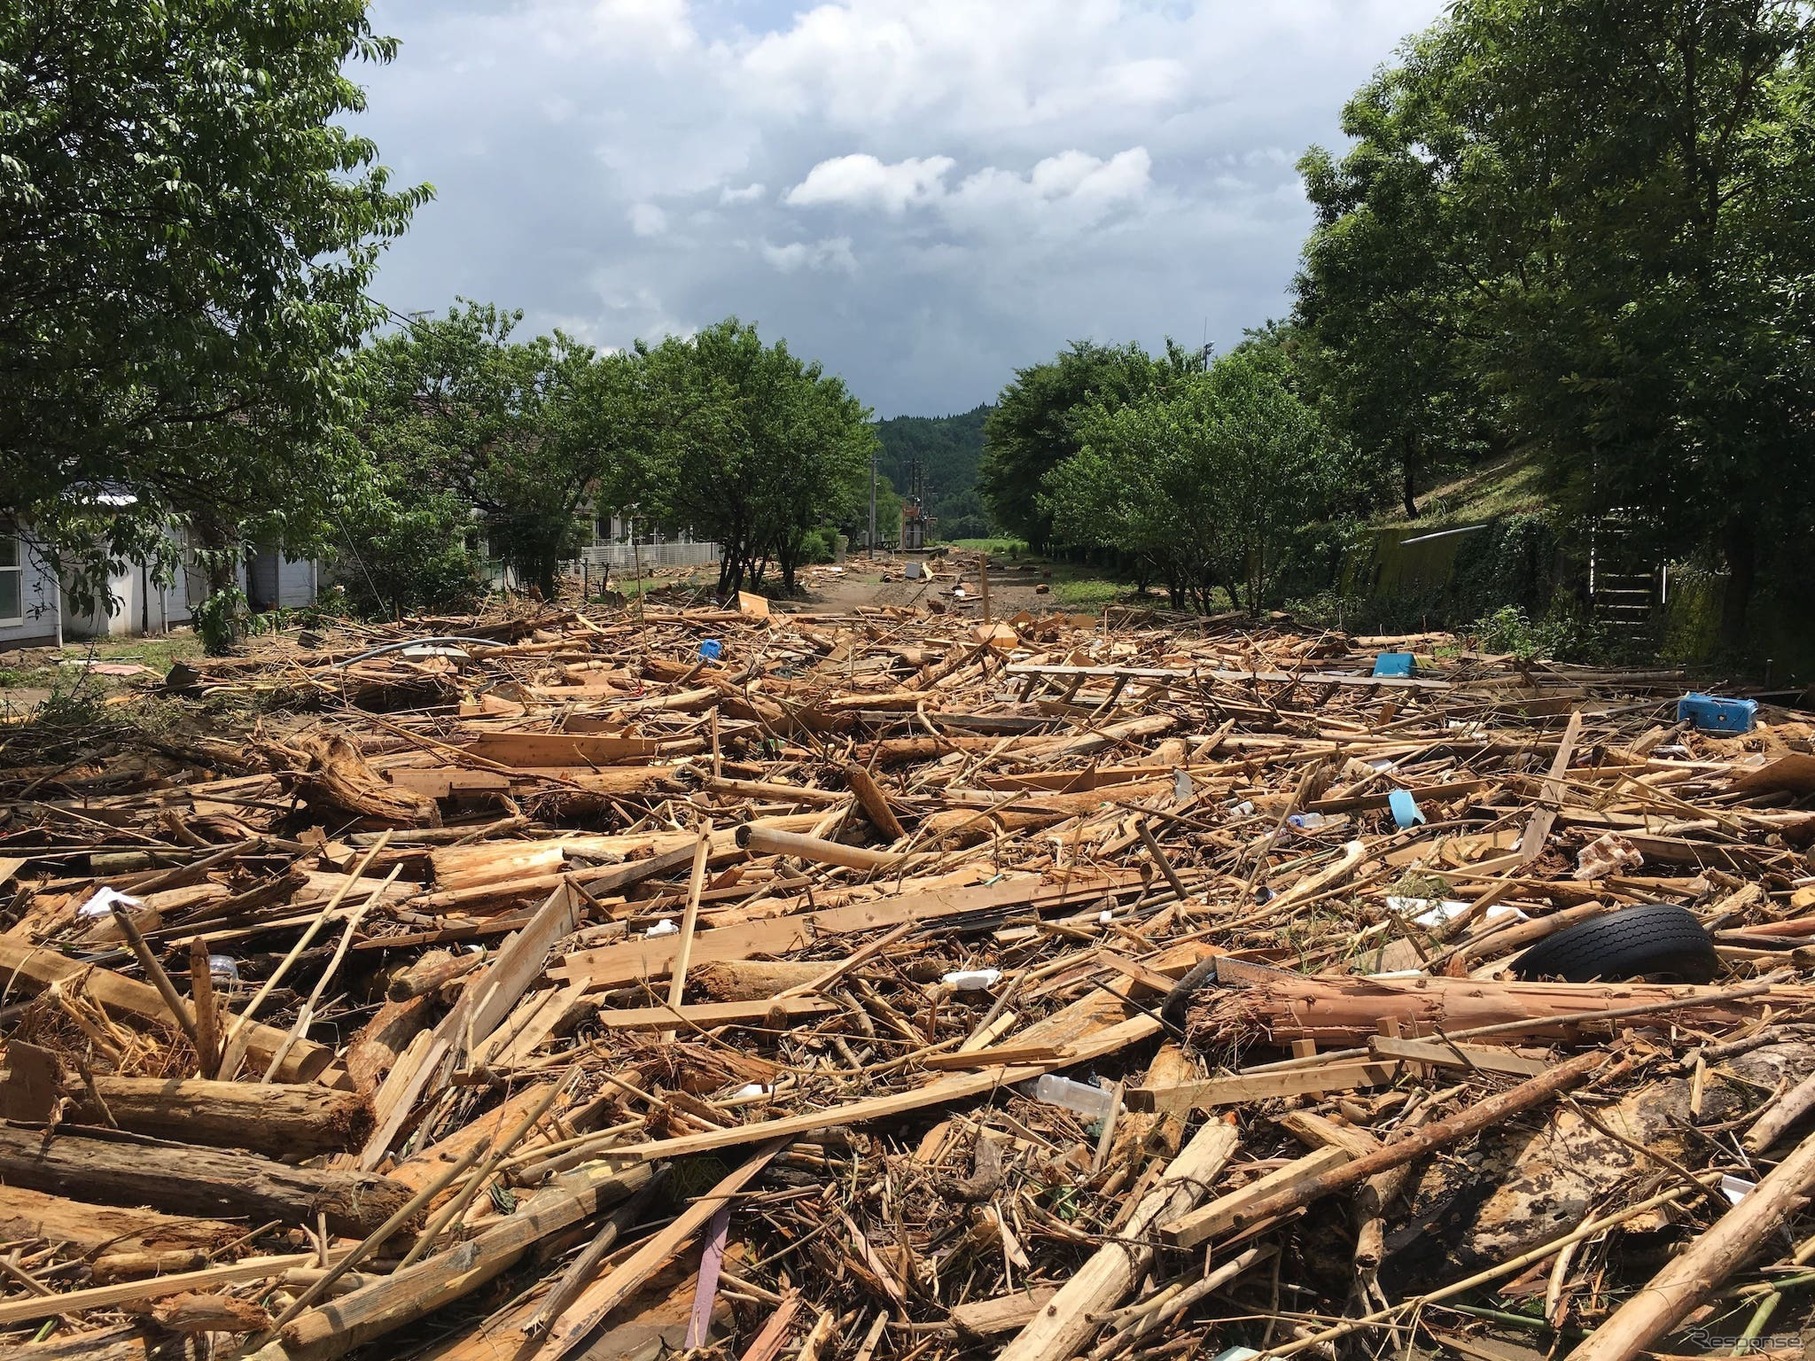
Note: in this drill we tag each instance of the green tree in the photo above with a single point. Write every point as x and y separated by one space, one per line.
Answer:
1376 312
1615 199
516 430
186 236
770 449
1035 424
1203 483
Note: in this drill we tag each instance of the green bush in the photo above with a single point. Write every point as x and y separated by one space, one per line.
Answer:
400 558
1564 633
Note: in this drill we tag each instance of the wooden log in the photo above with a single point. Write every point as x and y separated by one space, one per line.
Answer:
1699 1269
275 1119
197 1181
192 1312
376 1048
34 969
873 801
1187 1232
753 980
1341 1010
430 973
28 1214
767 841
1069 1320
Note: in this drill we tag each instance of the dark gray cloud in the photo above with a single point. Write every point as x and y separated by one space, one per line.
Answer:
923 194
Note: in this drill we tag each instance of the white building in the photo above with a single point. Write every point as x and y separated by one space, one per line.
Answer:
35 613
31 613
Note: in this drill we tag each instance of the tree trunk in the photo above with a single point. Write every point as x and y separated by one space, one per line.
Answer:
273 1118
1740 546
196 1181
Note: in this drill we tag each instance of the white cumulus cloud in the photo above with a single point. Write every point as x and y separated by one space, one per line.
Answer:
863 181
926 194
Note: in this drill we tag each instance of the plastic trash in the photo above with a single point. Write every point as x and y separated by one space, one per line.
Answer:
102 903
1405 808
1711 714
973 980
1236 1354
1105 917
1093 1103
1182 788
1736 1189
750 1090
223 970
711 649
1242 809
1305 821
665 927
1395 664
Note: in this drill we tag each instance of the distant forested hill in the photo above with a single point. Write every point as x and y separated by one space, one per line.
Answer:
948 449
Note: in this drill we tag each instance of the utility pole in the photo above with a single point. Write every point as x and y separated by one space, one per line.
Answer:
872 502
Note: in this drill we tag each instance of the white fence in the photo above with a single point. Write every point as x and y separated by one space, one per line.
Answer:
621 556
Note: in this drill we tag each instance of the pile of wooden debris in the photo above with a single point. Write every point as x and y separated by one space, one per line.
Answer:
904 988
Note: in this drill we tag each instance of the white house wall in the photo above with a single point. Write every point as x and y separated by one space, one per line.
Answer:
40 604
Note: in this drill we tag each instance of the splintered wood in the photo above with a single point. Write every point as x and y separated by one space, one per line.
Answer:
899 987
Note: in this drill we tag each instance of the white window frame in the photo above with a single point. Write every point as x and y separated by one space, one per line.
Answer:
17 569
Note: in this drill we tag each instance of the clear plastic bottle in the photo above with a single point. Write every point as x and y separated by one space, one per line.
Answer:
1093 1103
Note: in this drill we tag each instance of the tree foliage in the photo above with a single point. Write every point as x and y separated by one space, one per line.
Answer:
1036 423
1597 214
516 430
767 449
948 451
186 236
1200 482
721 434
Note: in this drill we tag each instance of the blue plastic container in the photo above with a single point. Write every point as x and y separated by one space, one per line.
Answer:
711 650
1406 812
1395 664
1712 714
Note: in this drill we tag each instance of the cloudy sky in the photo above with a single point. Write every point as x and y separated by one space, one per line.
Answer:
923 194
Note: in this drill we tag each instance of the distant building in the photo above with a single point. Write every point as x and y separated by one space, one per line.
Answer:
34 612
31 607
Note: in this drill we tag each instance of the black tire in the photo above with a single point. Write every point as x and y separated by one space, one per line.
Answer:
1638 942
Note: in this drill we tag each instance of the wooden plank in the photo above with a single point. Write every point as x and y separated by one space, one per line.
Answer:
598 1300
636 960
128 1292
1068 1321
1231 677
1338 1076
1485 1058
1000 1313
1537 831
707 1015
535 749
1225 1212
